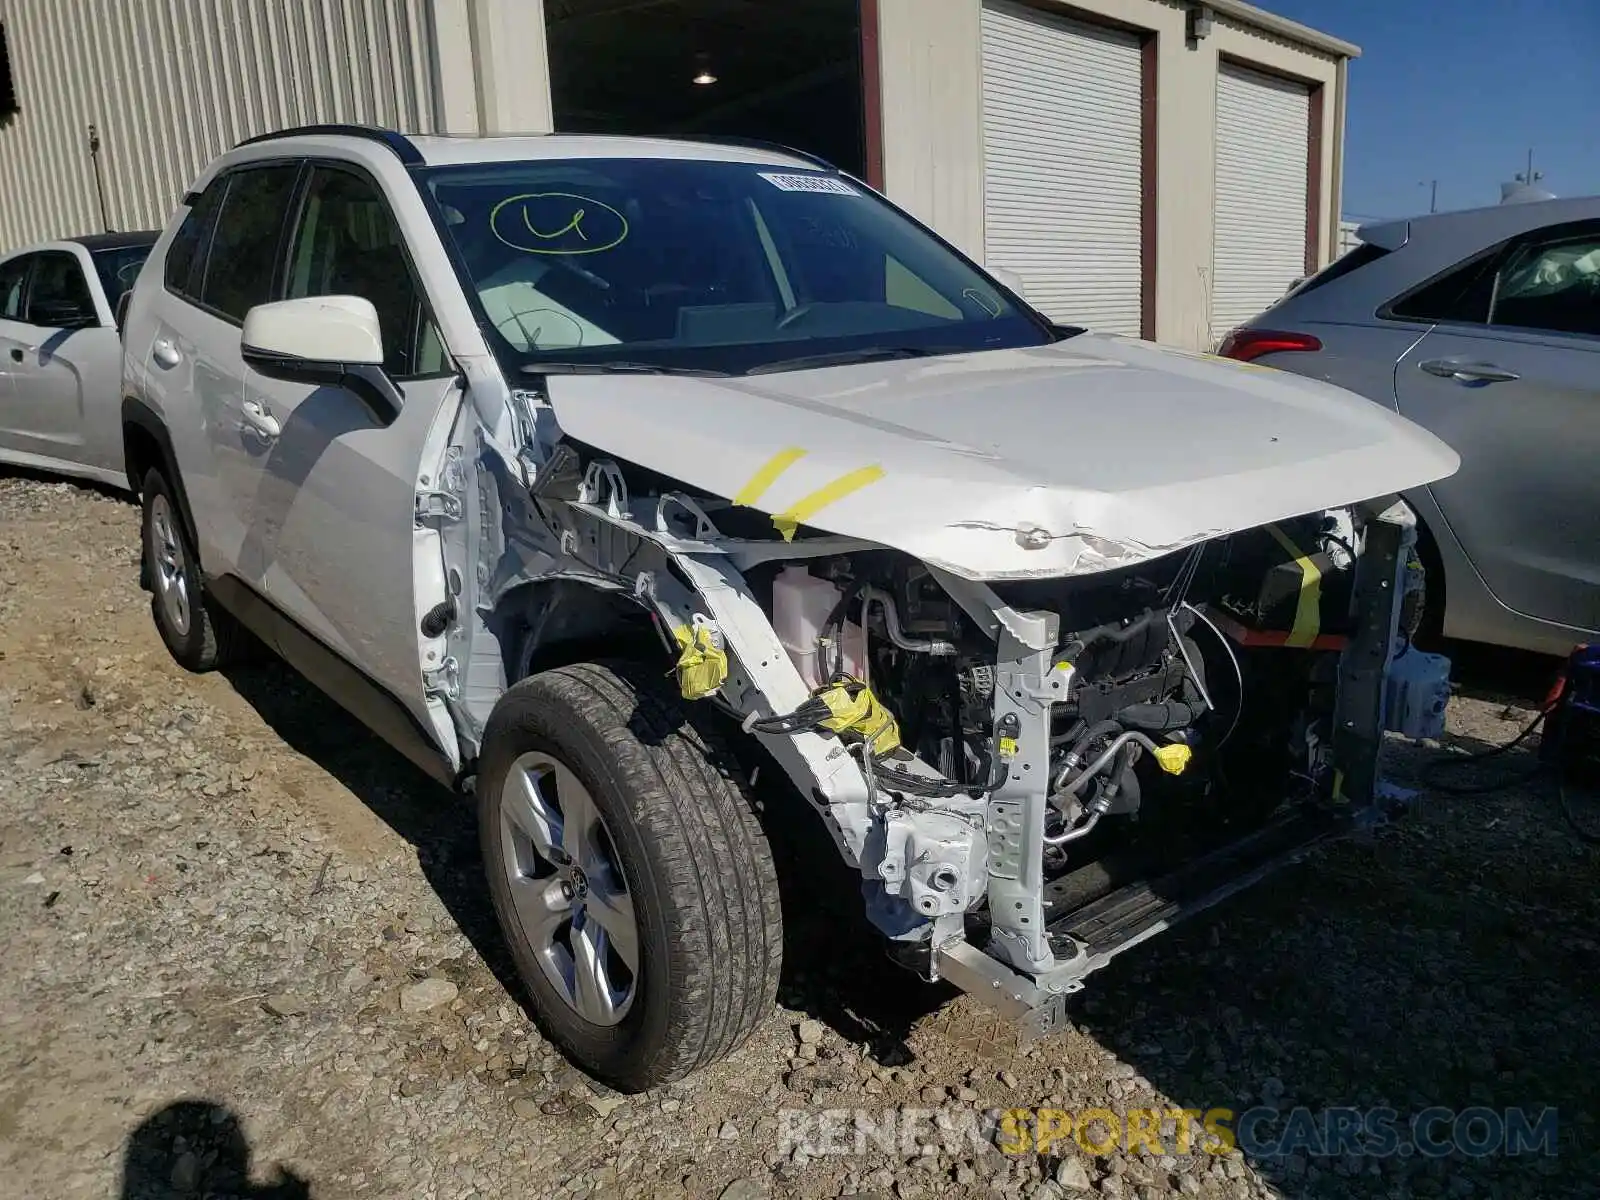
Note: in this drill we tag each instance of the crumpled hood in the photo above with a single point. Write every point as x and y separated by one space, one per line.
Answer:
1100 450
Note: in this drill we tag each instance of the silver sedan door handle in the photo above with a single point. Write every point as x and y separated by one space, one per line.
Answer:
1468 372
165 353
260 421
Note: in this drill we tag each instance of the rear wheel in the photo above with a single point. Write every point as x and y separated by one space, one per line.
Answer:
199 636
632 881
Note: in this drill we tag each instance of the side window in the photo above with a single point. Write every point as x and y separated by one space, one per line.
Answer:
193 238
59 297
1461 295
348 244
118 271
13 282
244 255
1551 284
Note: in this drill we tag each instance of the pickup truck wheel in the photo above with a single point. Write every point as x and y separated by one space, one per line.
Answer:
633 884
199 636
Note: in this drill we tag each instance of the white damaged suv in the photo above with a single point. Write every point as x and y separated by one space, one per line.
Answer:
596 474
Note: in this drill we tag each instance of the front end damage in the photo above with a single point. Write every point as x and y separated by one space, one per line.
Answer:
1031 774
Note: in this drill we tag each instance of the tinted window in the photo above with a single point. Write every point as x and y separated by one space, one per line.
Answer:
244 255
348 244
1460 295
707 265
58 295
13 280
189 244
1352 260
118 269
1551 284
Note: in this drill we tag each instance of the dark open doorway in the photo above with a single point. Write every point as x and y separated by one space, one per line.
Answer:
789 73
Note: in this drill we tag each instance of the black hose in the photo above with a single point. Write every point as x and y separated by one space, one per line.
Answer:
1431 771
1163 717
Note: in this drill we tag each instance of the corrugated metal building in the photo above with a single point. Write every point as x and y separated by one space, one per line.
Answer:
1162 168
146 92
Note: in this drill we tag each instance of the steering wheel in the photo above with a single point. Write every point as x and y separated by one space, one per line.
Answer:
794 314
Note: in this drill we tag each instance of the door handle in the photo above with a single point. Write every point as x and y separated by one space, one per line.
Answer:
1467 372
165 353
259 421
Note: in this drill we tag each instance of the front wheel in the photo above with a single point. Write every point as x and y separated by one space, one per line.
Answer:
630 876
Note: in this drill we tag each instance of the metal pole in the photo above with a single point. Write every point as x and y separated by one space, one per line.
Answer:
99 183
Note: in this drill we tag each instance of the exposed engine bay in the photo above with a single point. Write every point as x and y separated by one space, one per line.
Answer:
1192 707
1030 775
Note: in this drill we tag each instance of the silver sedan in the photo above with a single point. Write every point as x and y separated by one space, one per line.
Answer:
60 354
1484 327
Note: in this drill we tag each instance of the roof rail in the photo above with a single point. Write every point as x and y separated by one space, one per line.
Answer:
402 146
716 139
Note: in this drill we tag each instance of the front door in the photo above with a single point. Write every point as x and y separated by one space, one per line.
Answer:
55 358
1518 397
331 531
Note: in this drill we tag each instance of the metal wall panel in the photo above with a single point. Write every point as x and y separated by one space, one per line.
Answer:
1260 240
1063 163
169 84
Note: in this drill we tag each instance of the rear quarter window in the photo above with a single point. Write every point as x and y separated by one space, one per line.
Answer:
1363 255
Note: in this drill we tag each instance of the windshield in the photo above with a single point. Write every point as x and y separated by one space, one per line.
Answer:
118 269
668 264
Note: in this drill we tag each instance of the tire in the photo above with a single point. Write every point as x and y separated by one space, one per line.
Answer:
199 635
675 838
1424 621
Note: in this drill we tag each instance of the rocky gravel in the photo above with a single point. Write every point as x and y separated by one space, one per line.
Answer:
247 952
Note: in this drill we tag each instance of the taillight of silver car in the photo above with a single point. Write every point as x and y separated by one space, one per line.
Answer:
1249 344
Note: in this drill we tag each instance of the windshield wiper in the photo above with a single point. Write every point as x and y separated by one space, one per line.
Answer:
840 358
613 368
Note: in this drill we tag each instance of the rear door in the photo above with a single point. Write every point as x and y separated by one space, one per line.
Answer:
332 531
1513 384
224 260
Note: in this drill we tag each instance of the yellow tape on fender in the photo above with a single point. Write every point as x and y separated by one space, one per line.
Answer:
807 507
1308 608
768 475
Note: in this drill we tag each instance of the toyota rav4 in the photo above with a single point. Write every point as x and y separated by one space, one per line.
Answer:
598 475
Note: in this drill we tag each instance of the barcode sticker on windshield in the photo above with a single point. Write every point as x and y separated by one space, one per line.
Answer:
808 183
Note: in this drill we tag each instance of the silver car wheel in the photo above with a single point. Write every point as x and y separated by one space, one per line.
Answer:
171 578
568 888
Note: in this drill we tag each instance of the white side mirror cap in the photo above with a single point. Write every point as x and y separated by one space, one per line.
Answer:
315 329
1009 279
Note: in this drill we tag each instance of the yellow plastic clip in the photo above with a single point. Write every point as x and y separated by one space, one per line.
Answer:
702 663
854 709
1174 757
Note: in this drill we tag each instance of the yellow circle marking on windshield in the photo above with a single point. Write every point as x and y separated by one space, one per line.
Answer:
596 225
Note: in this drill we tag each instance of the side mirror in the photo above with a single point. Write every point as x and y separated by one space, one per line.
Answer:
330 340
1010 280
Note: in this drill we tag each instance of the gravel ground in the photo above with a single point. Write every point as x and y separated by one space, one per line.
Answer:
219 897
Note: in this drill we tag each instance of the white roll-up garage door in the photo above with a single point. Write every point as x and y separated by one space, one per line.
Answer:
1259 248
1062 154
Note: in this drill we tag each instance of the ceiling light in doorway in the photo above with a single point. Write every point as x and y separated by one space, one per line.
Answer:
705 79
703 75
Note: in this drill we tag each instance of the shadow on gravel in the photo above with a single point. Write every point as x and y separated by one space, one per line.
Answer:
439 824
28 475
834 963
196 1148
1444 971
